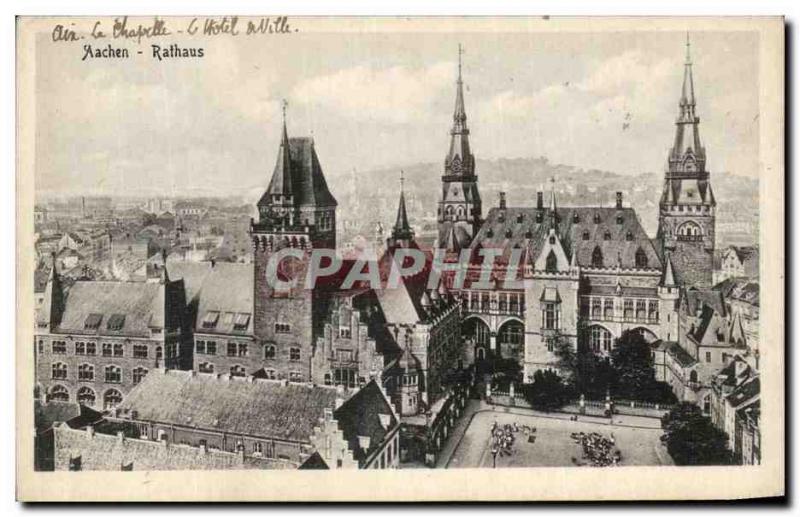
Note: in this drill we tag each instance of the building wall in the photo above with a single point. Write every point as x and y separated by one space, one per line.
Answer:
222 360
45 358
91 450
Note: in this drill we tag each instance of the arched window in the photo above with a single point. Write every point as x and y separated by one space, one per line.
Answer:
512 333
641 258
138 374
600 340
59 371
693 376
58 393
551 264
689 231
112 399
597 257
449 210
460 212
86 396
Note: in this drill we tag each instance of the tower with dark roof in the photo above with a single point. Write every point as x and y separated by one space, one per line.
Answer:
296 211
687 207
459 212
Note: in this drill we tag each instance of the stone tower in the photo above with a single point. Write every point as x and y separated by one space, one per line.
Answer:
687 207
296 211
459 212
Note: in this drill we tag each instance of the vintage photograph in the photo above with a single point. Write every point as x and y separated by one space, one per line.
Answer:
277 243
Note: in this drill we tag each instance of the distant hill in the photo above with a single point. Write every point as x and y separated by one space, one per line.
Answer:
372 195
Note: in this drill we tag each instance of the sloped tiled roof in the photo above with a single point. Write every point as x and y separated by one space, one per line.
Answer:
517 227
142 304
304 180
360 416
746 392
243 406
227 288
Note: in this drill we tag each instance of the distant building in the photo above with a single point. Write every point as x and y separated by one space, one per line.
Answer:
738 262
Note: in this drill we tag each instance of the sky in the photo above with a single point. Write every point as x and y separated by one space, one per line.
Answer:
381 100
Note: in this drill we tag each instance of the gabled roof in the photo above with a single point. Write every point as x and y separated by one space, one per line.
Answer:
745 393
361 414
142 304
519 227
251 407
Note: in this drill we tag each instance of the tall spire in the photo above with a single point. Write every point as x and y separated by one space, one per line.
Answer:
687 91
281 183
402 230
687 133
460 113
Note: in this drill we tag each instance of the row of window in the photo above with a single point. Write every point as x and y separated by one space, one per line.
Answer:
86 372
240 371
632 309
86 396
207 347
89 348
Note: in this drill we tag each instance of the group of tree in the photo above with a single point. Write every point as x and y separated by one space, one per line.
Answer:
627 374
548 391
692 439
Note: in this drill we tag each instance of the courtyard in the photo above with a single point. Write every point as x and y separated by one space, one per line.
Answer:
637 439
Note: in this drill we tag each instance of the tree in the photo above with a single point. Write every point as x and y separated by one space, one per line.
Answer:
632 359
548 391
692 439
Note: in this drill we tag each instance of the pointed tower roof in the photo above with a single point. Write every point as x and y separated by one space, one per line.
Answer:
687 134
281 183
402 230
459 159
668 280
687 91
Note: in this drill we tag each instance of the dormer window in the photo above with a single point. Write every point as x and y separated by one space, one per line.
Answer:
210 320
528 234
597 257
607 236
629 236
551 263
116 322
508 234
619 219
552 239
520 217
539 216
641 258
596 219
585 235
576 218
490 233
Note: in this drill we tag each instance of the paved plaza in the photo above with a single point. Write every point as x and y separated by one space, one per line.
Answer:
636 438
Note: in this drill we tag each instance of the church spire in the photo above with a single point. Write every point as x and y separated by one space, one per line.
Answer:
402 230
460 113
688 154
281 183
459 159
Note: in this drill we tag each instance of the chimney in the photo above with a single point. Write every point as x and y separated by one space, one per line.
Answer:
539 200
619 199
503 200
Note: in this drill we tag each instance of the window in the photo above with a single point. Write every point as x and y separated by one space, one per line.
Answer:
608 308
294 354
91 348
551 316
138 374
512 333
344 332
283 328
140 351
607 236
92 321
238 371
59 347
258 449
231 349
242 350
58 393
40 348
59 371
113 374
159 353
80 348
597 257
586 235
269 351
596 218
112 399
629 236
596 308
271 374
211 348
641 258
295 376
600 339
210 319
118 350
107 350
206 368
551 263
628 309
200 347
86 396
344 355
85 372
327 379
116 322
652 310
241 321
641 309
